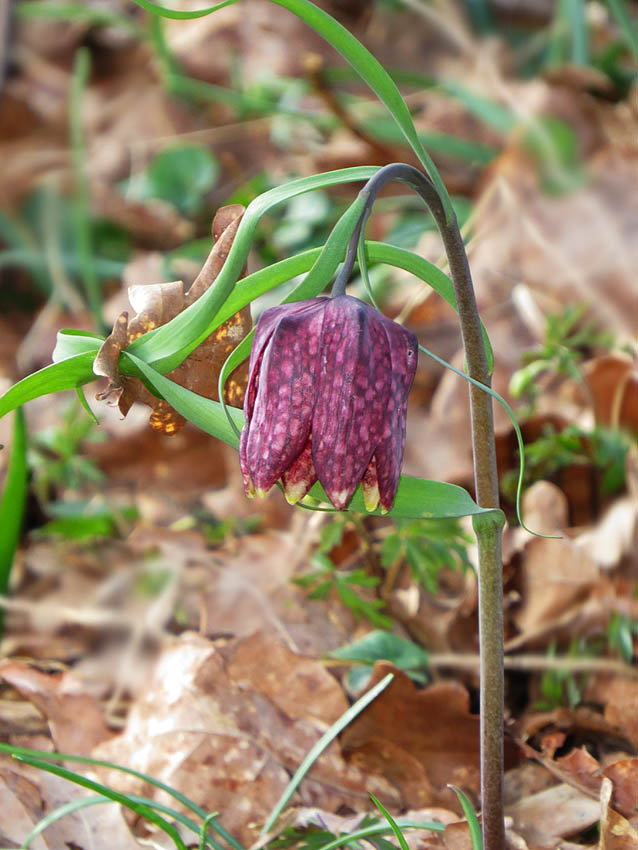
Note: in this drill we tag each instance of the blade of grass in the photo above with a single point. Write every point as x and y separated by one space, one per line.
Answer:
326 739
380 829
470 815
86 13
12 504
82 205
60 812
628 27
20 752
403 844
129 802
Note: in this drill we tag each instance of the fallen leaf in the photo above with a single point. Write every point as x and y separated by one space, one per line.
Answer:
624 776
621 706
421 740
616 833
614 537
613 382
62 699
554 813
215 723
554 576
157 304
27 795
583 767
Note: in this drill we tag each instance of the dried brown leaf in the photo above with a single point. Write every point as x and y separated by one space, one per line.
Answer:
554 576
157 304
63 699
613 382
616 833
543 818
215 722
621 706
421 740
624 776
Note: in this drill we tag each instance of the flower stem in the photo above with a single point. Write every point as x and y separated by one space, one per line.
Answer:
487 527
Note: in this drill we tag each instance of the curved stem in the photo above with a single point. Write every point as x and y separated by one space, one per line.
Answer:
488 531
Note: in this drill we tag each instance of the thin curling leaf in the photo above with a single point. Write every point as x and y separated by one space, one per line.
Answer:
166 347
361 60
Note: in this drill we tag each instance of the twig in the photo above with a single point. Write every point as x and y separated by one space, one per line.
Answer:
536 662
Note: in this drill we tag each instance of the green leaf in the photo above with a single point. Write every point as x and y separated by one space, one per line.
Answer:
13 501
470 816
165 347
391 550
182 176
628 27
66 375
384 646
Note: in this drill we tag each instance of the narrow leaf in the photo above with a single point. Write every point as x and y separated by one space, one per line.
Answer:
13 502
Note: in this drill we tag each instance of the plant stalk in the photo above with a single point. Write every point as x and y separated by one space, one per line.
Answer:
487 527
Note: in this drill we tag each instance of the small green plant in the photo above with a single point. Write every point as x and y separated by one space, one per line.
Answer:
382 646
561 687
55 454
605 449
622 632
568 337
428 546
181 176
326 577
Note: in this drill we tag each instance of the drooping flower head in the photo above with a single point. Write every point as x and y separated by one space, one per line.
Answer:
326 400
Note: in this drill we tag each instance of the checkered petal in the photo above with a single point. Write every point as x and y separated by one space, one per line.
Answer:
352 396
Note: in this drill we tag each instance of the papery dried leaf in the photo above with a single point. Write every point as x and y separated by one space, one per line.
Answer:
422 740
624 776
613 382
616 833
62 699
157 304
226 724
545 817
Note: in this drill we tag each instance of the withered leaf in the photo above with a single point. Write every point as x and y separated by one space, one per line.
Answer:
228 723
62 698
616 832
420 740
157 304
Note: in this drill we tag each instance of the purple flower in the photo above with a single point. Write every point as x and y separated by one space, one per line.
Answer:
327 396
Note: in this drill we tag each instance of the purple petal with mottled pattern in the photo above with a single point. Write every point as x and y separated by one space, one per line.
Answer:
352 396
301 475
389 453
263 333
279 413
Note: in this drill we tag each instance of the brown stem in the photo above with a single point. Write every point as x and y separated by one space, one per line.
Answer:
487 526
